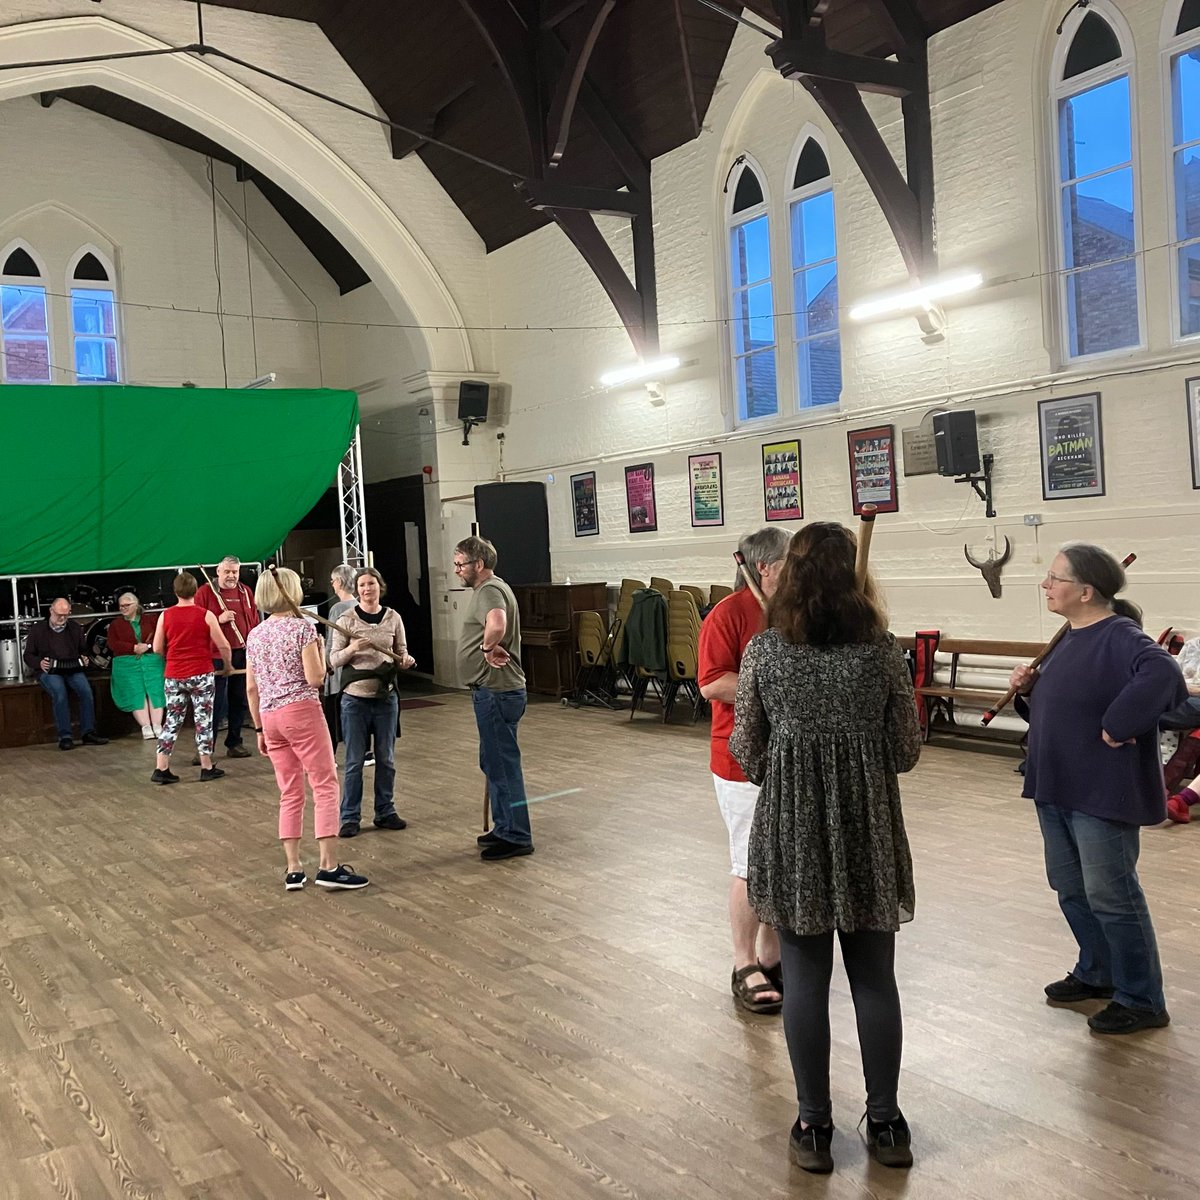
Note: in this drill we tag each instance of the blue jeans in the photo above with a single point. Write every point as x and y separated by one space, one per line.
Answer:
1092 864
362 722
56 686
497 714
229 699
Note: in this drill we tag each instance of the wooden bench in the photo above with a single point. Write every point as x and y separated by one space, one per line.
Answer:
972 673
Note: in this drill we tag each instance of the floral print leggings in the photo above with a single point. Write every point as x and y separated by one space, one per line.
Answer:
200 689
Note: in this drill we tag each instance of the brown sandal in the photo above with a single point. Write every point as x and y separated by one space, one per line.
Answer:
747 996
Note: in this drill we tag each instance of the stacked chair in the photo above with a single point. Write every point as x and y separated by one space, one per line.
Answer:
596 684
661 585
624 604
699 594
718 592
683 638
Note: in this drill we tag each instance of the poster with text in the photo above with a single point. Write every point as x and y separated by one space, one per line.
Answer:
873 468
783 490
639 498
1072 449
704 478
583 504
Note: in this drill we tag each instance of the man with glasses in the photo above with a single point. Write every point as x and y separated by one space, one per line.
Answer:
489 661
56 656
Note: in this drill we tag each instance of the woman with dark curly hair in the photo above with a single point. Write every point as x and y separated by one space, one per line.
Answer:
824 719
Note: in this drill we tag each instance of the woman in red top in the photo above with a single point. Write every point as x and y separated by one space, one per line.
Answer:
183 634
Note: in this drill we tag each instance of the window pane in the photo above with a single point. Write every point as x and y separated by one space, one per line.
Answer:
1187 192
820 371
1102 308
23 309
812 230
751 252
1185 79
26 359
748 192
1189 290
1095 129
1098 218
756 385
1093 45
754 322
96 360
816 300
811 165
92 311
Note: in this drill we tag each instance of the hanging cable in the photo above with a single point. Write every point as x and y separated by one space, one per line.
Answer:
249 275
217 268
739 19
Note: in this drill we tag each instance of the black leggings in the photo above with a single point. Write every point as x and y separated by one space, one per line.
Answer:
870 966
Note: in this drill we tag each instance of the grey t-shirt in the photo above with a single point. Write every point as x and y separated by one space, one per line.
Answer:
472 668
333 681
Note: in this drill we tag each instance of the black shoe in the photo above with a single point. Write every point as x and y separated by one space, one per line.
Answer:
890 1142
1072 990
166 776
294 881
92 738
66 744
391 821
208 774
238 751
341 879
503 849
487 839
349 829
195 760
809 1148
1120 1018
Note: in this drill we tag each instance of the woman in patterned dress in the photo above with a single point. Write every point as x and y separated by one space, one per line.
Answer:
824 720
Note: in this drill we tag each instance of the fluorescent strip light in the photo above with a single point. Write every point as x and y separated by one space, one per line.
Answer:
643 370
918 297
261 382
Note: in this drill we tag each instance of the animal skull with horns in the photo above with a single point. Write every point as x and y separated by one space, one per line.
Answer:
990 569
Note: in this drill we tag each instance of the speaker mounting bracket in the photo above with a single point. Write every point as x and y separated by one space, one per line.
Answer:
984 492
469 423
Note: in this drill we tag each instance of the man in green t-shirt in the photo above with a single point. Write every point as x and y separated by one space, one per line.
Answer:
489 662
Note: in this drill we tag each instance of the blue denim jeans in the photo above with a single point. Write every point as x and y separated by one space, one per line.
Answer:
59 687
364 721
497 714
1092 864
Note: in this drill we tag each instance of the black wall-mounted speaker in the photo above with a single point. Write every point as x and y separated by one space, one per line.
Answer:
957 441
473 400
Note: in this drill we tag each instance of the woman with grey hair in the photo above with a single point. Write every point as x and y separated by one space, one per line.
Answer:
341 583
137 672
1095 774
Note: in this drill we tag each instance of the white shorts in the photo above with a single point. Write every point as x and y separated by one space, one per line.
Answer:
736 801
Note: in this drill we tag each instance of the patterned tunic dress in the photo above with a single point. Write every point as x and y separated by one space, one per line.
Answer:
824 730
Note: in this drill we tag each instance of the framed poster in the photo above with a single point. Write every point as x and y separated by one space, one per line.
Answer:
783 488
1193 406
639 498
704 485
873 468
583 504
1072 447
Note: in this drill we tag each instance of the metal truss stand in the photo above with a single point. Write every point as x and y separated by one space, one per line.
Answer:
352 508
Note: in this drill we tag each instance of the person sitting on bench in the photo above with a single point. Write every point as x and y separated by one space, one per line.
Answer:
56 656
1187 714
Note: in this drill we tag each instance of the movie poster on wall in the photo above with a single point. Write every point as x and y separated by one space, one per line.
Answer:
639 498
583 504
704 481
873 468
783 490
1072 447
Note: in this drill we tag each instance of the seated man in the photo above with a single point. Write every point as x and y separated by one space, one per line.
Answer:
55 655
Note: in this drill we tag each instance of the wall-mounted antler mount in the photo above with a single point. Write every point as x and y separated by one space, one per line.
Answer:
991 567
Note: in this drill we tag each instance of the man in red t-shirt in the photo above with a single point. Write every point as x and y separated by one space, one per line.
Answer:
237 617
724 633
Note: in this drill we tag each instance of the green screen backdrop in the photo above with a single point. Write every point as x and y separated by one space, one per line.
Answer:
99 478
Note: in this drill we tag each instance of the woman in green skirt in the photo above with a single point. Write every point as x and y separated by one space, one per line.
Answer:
137 672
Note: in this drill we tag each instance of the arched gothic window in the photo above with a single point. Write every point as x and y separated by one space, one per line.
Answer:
94 320
752 304
814 280
24 329
1099 283
1185 157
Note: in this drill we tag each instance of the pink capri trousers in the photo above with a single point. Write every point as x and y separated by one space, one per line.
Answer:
298 744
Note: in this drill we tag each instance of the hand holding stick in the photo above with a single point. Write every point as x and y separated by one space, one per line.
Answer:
224 607
863 553
751 582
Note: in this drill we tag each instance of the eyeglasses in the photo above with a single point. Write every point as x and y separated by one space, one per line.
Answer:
1050 575
466 562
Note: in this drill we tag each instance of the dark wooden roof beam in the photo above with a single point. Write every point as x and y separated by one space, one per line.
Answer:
555 11
885 76
570 80
900 23
431 125
543 194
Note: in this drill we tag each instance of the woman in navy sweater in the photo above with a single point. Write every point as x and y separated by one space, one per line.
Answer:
1095 774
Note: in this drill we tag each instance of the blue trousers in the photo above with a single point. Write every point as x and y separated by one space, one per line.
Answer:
1092 864
497 714
364 721
59 687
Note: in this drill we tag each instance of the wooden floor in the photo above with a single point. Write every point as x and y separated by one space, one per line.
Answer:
173 1024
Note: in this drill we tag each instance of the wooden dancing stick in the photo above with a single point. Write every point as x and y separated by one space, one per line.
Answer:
1008 696
224 607
863 553
740 559
487 805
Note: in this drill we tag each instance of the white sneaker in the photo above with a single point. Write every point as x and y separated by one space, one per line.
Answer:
148 734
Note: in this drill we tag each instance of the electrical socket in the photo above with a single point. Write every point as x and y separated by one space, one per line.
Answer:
1033 518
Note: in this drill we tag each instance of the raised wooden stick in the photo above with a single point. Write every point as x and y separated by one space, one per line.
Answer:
751 583
863 553
224 607
1010 695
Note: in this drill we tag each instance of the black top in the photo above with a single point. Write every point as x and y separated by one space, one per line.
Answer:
43 642
372 618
